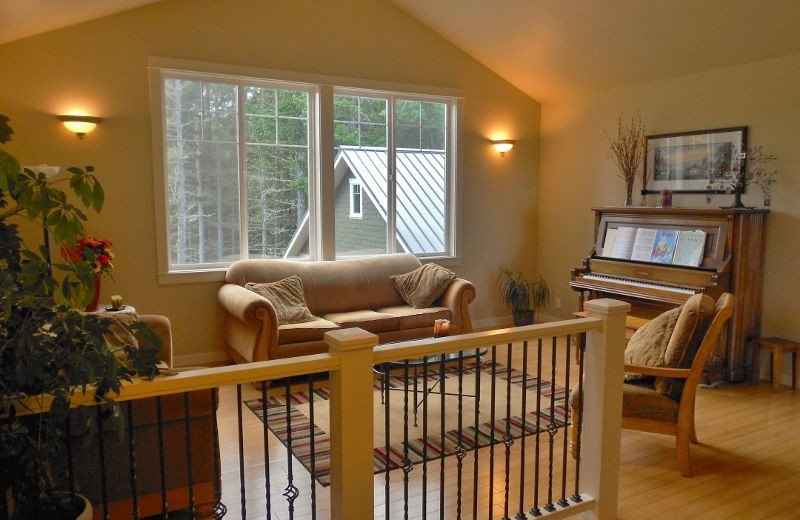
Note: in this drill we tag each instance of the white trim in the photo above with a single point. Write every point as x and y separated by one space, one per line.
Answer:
188 360
356 183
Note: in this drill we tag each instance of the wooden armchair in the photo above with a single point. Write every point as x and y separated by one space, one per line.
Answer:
646 409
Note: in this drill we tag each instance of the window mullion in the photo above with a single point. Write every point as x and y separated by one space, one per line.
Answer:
391 177
244 248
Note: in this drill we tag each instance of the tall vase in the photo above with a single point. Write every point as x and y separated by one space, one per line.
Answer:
629 193
92 307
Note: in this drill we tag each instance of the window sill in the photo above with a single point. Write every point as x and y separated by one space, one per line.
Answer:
192 276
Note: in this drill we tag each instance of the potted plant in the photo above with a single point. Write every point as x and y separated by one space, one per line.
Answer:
522 296
49 350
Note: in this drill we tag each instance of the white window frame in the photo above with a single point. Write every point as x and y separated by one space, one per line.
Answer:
355 183
321 90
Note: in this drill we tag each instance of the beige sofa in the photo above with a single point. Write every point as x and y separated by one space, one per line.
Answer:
342 294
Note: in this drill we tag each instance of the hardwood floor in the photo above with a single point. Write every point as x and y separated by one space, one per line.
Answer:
747 465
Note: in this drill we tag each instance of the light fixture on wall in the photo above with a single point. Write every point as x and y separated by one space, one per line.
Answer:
501 146
81 125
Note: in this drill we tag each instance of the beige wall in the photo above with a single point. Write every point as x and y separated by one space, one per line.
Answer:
576 173
100 66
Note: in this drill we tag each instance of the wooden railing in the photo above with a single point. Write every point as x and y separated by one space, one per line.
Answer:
353 354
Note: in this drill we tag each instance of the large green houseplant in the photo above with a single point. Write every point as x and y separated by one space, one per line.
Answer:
521 295
48 348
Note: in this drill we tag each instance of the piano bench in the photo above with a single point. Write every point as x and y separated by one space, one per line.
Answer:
776 347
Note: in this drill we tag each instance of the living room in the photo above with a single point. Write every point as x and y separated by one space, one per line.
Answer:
553 79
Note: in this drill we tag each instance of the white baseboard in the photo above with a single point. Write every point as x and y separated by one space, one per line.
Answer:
188 360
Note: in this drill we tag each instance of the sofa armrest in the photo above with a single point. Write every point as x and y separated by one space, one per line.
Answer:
251 324
457 298
161 327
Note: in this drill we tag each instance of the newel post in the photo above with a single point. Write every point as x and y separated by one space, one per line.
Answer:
602 406
351 424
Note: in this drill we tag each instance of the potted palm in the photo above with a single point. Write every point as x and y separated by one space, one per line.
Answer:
49 350
522 296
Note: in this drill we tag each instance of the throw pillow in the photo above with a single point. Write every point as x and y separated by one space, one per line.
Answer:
648 345
286 296
422 286
693 321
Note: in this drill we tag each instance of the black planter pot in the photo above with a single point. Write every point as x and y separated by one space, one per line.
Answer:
522 318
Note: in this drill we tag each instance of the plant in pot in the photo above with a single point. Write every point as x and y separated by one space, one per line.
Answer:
522 296
49 350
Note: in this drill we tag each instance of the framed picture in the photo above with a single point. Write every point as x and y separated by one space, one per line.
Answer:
691 162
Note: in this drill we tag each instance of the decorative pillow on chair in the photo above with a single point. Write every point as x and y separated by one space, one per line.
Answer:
693 321
648 345
287 297
422 286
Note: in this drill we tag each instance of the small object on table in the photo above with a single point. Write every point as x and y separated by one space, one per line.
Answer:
666 198
776 346
441 328
125 309
116 302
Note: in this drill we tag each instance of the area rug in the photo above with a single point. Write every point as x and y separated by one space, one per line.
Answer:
553 411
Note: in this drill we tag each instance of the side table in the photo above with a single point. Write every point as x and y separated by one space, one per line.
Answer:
776 346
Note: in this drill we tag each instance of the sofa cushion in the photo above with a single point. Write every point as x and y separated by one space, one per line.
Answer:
413 318
422 286
287 297
649 343
690 328
370 321
313 330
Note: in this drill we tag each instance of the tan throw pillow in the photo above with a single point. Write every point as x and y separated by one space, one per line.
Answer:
422 286
286 296
119 333
648 345
693 321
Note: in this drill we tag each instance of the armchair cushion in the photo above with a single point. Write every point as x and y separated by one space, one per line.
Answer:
422 286
639 401
648 344
286 296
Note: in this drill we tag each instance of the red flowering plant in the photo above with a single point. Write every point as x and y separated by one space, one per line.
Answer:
96 252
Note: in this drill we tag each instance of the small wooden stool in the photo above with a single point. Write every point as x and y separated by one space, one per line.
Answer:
776 346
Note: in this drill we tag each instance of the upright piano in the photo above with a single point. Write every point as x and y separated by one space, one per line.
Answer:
733 261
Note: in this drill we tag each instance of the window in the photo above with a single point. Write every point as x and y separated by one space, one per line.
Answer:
355 199
240 171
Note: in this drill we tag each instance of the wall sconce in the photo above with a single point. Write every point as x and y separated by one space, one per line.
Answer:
81 125
501 146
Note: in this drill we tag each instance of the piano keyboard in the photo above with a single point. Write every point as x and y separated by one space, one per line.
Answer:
637 283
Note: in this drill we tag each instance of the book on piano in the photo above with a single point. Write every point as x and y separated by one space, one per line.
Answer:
664 246
623 243
643 245
689 248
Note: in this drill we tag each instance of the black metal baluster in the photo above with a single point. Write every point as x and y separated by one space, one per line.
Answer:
265 426
242 490
521 512
460 451
102 450
425 437
563 502
313 448
187 421
535 511
407 466
132 461
290 492
491 431
442 432
219 510
552 429
161 453
478 369
581 351
387 440
508 439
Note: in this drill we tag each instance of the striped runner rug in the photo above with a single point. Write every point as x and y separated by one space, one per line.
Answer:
552 410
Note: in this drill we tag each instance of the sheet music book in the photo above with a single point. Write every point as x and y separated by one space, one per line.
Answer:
608 245
664 246
623 245
689 248
643 245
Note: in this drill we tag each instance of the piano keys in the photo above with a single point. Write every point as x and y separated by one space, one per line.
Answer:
732 261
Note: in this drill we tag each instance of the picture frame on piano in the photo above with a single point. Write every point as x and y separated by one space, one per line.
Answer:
690 162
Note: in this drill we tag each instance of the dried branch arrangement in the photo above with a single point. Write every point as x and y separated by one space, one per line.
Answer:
627 149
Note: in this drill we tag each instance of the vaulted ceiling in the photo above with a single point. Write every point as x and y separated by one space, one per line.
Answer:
550 49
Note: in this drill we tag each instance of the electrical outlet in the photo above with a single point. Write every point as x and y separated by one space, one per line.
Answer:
558 303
